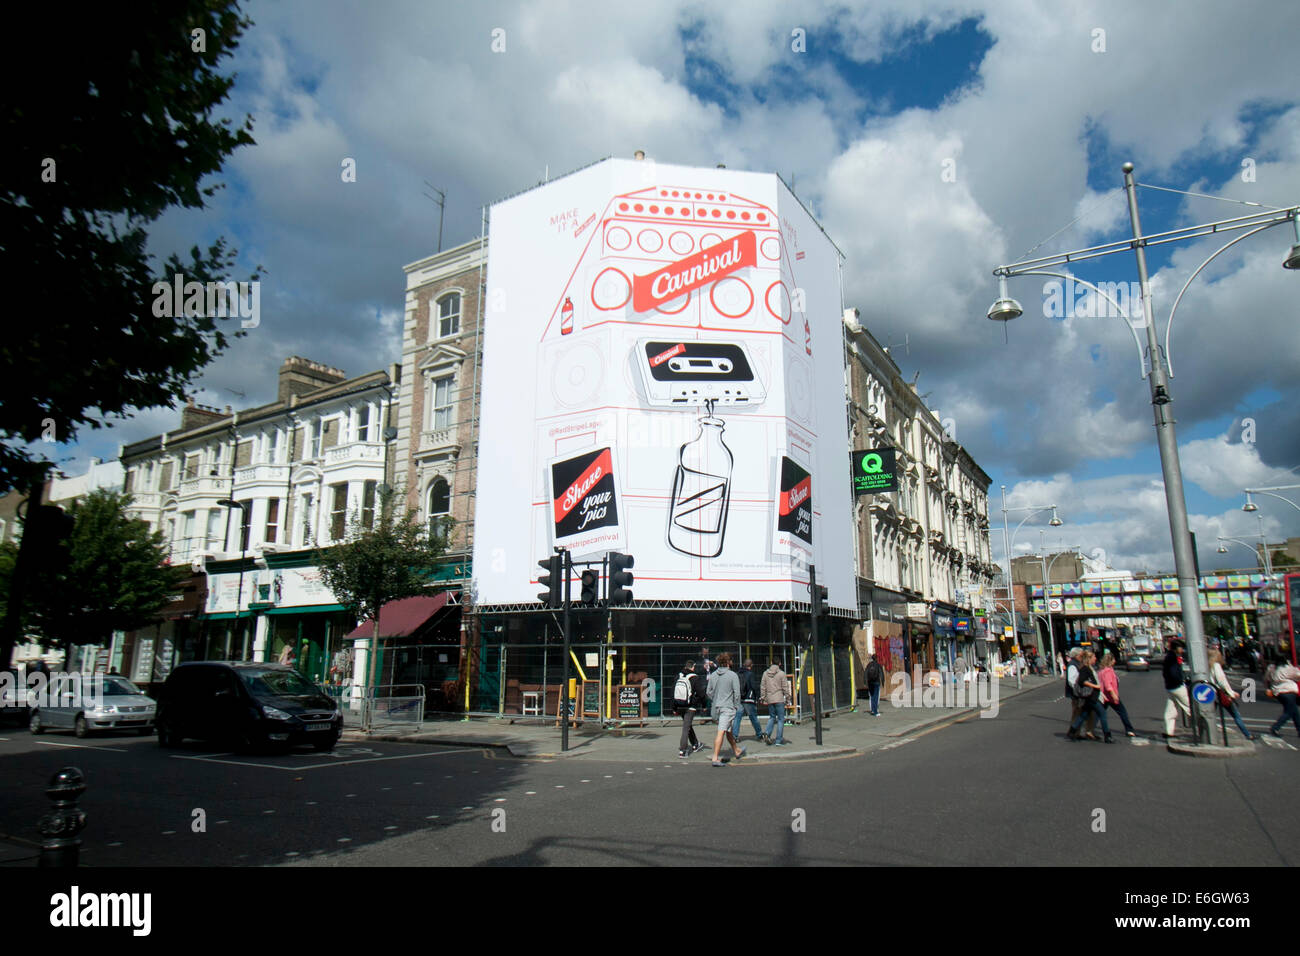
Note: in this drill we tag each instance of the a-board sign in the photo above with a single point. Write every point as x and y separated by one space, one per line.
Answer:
591 698
629 702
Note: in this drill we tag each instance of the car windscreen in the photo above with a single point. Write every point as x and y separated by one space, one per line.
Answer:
277 683
119 687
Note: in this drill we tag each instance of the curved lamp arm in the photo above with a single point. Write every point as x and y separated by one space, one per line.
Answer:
1086 284
1280 497
1224 248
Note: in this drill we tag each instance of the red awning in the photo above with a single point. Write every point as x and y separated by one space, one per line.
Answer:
402 618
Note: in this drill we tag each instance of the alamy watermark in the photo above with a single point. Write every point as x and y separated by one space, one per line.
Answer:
1076 300
56 689
214 300
944 688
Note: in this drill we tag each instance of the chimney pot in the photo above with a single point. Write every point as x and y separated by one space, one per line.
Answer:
639 154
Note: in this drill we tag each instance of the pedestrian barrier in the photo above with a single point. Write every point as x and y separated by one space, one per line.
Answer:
388 706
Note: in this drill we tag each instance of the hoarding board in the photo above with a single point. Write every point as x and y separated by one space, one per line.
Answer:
663 376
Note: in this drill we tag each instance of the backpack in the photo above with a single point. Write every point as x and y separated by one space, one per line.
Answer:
1082 690
875 673
682 692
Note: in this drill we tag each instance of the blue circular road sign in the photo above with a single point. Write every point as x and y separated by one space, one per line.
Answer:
1204 693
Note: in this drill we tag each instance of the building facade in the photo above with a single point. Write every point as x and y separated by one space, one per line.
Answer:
924 563
243 498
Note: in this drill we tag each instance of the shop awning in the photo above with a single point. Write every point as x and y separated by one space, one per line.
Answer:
403 618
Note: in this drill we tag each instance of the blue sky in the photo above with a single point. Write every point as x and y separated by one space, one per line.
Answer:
1033 106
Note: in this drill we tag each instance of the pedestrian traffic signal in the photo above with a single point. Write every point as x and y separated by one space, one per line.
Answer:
590 587
552 597
620 578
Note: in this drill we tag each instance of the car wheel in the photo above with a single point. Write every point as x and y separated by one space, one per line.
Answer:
35 725
80 727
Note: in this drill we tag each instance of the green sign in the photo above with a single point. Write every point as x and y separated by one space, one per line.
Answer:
873 471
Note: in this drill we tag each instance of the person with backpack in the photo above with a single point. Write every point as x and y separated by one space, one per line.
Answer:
748 700
875 677
688 700
773 693
1088 690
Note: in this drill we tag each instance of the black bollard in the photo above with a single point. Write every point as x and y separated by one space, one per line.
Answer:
59 829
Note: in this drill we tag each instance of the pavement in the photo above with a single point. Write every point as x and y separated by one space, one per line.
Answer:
843 733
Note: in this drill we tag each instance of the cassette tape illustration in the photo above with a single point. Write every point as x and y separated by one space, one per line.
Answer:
682 374
689 258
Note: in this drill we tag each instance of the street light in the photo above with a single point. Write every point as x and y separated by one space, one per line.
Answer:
1008 538
1266 564
1047 572
1161 371
244 507
1251 506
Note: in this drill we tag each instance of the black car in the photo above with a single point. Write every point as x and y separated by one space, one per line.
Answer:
249 705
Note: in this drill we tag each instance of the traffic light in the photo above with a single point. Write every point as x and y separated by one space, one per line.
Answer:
819 598
590 587
620 579
552 580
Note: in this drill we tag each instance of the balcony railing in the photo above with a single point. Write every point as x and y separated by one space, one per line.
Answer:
204 486
353 452
252 474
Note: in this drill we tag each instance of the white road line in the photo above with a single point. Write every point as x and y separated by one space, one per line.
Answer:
343 840
307 766
51 743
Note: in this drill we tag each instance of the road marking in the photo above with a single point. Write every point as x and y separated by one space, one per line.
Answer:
293 853
390 828
898 743
51 743
586 781
559 786
500 800
1139 742
432 816
467 808
343 840
169 833
530 793
310 766
1275 742
311 803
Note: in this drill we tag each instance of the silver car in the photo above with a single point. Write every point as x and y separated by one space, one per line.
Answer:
94 703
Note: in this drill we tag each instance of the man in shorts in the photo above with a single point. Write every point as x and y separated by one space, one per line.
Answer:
724 691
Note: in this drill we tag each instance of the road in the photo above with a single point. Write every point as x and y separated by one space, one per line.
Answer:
1003 791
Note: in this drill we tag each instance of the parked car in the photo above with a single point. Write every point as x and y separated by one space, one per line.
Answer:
249 705
1136 662
14 696
85 704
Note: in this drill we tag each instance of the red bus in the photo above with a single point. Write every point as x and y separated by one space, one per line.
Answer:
1278 617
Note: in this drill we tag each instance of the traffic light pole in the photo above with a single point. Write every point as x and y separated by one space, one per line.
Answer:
567 570
817 652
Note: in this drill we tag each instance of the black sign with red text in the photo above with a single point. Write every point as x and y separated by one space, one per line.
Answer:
794 502
584 493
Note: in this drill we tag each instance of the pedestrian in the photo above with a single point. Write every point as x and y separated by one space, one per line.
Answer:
723 688
748 699
875 677
773 692
1088 690
1071 671
1227 696
706 668
1282 678
1177 702
688 700
1110 691
287 654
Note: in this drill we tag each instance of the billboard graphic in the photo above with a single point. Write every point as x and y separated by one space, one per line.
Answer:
664 380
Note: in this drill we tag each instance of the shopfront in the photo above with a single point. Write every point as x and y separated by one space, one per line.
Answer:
945 639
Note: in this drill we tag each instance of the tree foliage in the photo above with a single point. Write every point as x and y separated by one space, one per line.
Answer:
107 121
112 576
387 562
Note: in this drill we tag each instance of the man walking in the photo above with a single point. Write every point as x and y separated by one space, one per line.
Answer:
688 699
723 689
773 693
1177 702
748 700
875 677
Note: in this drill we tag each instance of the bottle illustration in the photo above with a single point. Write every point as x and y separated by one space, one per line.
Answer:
697 521
566 317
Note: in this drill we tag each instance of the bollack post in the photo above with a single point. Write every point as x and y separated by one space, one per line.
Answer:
59 829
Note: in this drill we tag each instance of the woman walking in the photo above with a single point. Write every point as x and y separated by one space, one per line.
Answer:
1110 691
1282 676
1088 690
1227 696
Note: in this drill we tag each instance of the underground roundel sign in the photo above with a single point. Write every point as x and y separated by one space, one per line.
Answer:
873 471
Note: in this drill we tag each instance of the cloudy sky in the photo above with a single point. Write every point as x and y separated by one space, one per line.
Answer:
933 140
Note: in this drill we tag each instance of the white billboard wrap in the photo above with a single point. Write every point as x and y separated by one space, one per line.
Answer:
663 375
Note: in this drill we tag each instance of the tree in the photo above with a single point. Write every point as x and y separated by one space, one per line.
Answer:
115 576
107 122
387 562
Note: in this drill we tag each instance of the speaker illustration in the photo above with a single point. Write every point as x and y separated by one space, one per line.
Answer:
577 373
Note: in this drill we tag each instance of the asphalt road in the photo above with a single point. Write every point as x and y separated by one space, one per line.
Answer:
1004 791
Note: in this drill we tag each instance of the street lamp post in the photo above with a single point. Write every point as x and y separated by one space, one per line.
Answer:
244 507
1047 599
1158 375
1008 538
1266 565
